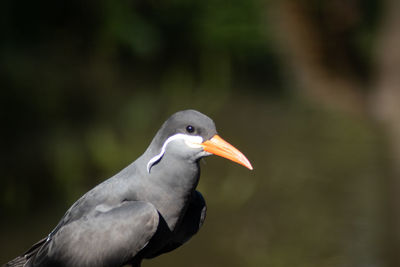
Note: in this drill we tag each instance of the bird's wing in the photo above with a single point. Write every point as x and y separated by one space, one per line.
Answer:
85 204
101 238
20 261
190 225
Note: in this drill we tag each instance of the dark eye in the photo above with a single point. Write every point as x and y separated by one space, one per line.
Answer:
189 129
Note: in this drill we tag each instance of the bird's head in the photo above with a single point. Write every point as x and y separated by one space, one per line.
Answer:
191 135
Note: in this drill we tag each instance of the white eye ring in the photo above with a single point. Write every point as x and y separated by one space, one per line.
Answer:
192 141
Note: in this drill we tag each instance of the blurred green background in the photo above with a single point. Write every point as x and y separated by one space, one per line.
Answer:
308 90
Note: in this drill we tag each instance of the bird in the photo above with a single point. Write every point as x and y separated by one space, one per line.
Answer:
149 208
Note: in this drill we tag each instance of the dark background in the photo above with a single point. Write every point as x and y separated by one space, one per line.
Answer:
307 90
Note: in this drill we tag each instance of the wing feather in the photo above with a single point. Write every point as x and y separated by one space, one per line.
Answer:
104 237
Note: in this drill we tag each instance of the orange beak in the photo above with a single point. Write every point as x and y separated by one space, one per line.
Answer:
218 146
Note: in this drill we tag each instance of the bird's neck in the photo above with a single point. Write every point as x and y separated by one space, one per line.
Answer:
177 185
169 186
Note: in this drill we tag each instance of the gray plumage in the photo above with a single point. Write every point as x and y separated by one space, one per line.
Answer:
141 212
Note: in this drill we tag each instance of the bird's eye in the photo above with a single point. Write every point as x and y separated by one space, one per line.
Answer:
190 129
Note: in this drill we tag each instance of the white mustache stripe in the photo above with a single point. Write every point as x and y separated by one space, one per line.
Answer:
192 141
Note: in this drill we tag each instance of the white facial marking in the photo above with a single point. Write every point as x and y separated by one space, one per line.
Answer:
192 141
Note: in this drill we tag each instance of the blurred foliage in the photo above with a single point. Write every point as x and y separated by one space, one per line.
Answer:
85 86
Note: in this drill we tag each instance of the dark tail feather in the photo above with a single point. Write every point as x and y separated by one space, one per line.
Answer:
17 262
20 261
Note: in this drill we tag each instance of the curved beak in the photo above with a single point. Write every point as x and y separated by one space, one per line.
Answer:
218 146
